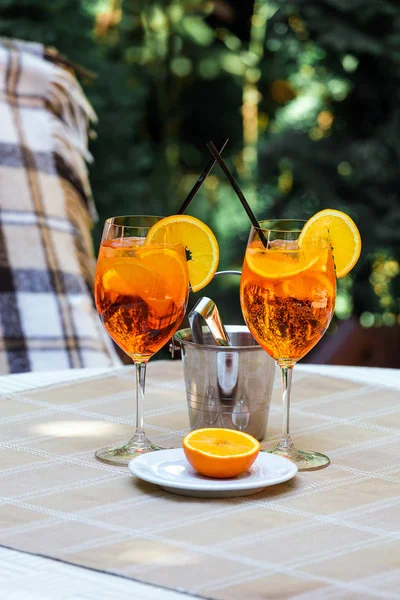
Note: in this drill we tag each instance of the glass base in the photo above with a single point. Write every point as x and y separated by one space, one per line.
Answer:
122 455
305 461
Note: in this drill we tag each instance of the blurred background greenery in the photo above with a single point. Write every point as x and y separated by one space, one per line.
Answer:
308 92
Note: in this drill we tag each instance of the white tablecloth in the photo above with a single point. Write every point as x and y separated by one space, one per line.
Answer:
27 577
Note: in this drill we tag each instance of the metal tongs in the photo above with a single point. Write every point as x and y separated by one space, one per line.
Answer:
206 309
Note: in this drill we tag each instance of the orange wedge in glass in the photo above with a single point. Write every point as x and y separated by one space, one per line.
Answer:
126 277
342 234
277 263
220 453
169 265
198 240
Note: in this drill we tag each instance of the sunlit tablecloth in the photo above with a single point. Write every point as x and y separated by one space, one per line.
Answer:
366 536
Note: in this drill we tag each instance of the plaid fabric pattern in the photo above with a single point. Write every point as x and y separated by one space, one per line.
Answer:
47 316
328 534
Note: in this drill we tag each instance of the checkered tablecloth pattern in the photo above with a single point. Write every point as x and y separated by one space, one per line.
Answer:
333 533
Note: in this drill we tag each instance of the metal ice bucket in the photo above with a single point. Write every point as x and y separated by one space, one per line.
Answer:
227 386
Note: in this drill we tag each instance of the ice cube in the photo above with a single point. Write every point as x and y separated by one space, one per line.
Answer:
284 244
122 246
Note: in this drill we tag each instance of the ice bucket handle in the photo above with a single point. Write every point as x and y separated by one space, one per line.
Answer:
227 273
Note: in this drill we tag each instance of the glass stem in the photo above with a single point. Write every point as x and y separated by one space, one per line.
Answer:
286 376
140 389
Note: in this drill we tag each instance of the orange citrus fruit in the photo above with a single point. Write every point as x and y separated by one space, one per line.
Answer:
198 240
278 263
148 267
128 278
341 232
159 275
220 453
170 267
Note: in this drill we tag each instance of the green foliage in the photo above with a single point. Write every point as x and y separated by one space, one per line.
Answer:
342 147
319 80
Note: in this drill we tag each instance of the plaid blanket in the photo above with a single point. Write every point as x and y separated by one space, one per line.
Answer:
47 316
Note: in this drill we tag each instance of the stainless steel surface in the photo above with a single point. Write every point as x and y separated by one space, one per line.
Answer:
206 309
227 386
218 273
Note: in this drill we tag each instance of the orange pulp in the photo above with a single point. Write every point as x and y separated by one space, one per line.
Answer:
220 453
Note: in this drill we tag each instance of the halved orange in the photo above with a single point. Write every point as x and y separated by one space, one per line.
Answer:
197 238
341 232
277 263
220 453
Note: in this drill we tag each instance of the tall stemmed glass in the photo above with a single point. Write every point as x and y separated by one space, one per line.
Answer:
141 292
288 296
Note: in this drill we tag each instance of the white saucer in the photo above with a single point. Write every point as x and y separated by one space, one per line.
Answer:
171 471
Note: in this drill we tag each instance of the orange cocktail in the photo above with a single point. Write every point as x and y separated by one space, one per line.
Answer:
287 294
141 290
141 293
288 297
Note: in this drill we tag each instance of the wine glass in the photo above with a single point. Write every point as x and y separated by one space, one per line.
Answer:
287 296
141 293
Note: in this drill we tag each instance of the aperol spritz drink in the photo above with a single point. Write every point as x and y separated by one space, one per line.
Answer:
141 292
288 296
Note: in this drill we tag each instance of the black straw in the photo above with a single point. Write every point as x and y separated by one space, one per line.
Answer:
238 191
200 180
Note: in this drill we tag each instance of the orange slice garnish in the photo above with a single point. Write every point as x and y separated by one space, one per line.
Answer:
278 263
340 231
197 238
220 453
